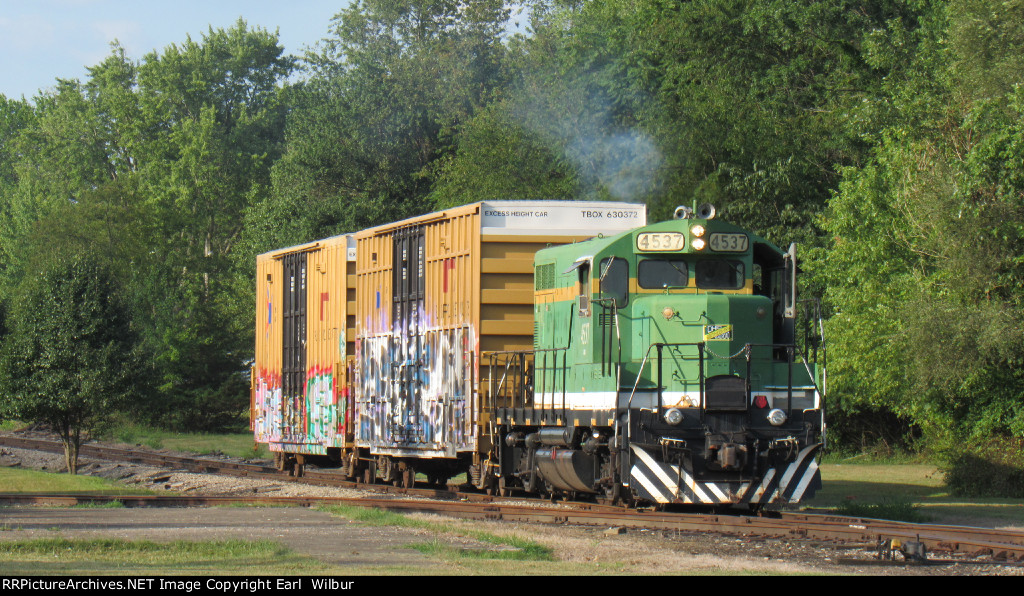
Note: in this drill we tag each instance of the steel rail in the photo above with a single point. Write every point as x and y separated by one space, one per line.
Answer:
998 544
206 465
1002 545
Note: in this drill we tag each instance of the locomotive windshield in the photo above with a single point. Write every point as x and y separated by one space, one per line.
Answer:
710 274
657 274
715 274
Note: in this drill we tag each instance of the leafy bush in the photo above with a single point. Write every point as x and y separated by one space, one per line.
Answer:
995 469
878 432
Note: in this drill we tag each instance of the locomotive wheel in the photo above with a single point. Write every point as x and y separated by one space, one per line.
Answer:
408 478
612 495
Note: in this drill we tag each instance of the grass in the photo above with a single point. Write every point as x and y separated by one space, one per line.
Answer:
59 556
231 444
898 510
906 491
239 444
9 425
513 555
509 547
17 480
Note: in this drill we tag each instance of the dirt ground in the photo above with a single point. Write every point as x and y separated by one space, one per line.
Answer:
356 546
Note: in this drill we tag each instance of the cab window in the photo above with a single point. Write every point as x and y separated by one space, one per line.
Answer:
719 274
657 274
615 280
583 289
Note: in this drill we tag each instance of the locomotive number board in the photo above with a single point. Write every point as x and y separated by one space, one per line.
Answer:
660 241
728 242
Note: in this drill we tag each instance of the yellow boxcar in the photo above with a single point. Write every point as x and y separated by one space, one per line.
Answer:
305 298
434 294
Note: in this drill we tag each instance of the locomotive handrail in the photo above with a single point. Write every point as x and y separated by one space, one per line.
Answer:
789 368
791 349
748 390
629 402
660 346
525 390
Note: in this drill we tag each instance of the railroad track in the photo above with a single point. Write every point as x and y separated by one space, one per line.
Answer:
207 465
901 540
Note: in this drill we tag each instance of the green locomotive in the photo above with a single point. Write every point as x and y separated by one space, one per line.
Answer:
665 369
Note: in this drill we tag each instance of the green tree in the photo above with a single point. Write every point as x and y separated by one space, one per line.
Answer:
56 156
568 125
15 116
925 268
386 92
752 105
499 159
152 165
212 119
71 359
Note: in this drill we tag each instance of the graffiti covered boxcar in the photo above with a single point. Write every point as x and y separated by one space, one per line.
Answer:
304 335
430 294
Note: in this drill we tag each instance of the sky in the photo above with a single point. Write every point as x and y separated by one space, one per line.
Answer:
43 40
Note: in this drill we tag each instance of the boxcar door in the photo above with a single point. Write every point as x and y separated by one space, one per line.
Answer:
293 362
408 368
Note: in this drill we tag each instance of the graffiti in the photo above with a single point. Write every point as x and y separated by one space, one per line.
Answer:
270 314
267 419
317 418
323 424
325 297
414 390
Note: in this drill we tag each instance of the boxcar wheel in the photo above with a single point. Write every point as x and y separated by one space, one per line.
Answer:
503 489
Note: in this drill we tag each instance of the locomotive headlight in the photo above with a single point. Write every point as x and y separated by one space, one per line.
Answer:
674 416
776 417
697 244
697 231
